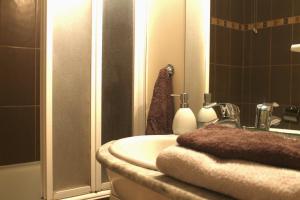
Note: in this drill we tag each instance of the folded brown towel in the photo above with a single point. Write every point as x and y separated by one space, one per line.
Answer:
233 143
161 113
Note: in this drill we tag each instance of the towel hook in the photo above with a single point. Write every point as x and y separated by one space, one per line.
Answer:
170 70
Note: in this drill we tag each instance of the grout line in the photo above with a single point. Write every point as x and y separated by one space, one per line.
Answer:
35 57
270 66
253 66
215 67
291 71
184 55
22 106
35 153
230 55
15 47
250 69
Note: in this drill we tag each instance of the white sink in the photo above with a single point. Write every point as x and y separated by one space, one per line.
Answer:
142 150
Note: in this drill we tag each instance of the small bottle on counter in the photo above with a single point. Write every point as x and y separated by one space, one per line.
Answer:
206 115
184 120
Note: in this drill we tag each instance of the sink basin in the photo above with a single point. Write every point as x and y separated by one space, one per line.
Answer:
142 150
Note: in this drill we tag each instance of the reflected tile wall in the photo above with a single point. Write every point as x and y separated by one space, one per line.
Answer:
19 81
262 63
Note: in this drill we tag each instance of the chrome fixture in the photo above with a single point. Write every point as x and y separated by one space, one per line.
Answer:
254 29
264 119
170 70
227 114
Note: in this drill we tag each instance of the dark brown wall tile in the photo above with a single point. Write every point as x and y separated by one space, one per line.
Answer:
17 142
17 78
236 75
212 43
223 9
37 77
222 87
213 8
260 47
17 25
280 84
252 113
222 45
246 85
296 7
37 133
248 12
245 114
281 44
236 11
247 48
19 81
37 24
236 48
263 10
296 85
281 8
259 84
212 79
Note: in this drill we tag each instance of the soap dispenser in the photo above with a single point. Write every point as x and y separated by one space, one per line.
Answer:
184 120
206 115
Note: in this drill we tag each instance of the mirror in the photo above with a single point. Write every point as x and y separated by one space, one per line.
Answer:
250 57
179 36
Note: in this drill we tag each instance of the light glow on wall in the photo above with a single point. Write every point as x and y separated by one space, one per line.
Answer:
140 48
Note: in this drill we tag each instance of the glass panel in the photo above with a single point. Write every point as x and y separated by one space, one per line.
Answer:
117 70
72 95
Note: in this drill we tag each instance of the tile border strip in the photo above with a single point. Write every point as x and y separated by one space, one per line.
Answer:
259 25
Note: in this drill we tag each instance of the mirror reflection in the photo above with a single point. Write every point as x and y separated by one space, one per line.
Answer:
251 61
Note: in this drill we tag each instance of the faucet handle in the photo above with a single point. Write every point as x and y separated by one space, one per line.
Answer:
267 106
275 121
275 105
263 119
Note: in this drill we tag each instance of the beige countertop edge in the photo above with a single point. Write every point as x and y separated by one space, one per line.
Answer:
154 180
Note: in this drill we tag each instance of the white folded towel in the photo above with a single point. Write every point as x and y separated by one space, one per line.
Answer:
236 178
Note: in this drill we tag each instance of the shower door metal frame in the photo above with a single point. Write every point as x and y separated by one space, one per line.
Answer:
94 190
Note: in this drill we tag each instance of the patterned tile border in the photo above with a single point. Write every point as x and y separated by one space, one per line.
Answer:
259 25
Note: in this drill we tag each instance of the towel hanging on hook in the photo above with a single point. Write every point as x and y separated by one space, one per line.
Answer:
161 112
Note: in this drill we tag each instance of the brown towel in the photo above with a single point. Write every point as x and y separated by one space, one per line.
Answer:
257 146
161 113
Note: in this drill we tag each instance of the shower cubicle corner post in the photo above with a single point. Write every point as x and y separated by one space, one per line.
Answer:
46 101
71 49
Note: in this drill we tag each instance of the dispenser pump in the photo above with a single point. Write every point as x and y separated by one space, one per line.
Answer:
184 120
184 99
207 99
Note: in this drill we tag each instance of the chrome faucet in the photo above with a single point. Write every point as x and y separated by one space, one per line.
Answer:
227 114
264 118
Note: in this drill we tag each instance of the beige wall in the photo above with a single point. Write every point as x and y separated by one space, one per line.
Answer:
178 33
165 43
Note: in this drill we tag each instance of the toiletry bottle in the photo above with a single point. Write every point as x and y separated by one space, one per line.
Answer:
184 120
206 115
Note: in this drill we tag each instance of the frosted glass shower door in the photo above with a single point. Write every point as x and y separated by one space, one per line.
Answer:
69 95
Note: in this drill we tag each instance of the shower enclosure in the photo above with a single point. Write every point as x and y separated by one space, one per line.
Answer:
66 87
87 62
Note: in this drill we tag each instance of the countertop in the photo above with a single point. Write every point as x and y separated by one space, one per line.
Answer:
155 180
